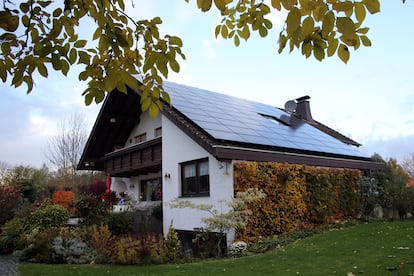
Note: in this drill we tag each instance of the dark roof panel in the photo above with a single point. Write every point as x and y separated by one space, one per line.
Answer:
241 121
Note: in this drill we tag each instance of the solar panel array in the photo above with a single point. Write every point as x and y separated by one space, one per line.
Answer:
230 118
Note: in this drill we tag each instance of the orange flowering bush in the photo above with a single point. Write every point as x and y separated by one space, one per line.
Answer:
64 198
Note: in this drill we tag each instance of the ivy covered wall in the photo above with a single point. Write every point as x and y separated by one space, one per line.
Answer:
297 196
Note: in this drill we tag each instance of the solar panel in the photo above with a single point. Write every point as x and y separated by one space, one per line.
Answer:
235 119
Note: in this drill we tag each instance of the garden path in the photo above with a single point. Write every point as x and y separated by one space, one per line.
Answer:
8 265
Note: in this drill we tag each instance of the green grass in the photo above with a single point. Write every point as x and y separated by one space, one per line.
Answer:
383 248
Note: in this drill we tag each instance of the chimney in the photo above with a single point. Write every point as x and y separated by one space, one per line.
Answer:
303 109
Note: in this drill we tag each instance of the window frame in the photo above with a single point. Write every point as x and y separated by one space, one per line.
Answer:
143 185
198 178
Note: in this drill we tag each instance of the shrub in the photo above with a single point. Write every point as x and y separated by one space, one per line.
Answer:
237 249
101 242
120 223
10 200
64 198
40 248
70 251
91 208
173 244
45 217
97 188
12 237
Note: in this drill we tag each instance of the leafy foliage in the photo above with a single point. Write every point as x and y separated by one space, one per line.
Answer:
90 208
119 223
10 201
71 251
37 35
297 196
46 216
173 244
321 28
64 198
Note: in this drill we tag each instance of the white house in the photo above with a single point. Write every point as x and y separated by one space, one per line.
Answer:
188 151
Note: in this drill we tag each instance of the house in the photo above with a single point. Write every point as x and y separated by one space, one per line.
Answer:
189 149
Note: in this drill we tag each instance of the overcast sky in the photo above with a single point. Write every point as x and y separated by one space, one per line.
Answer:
370 99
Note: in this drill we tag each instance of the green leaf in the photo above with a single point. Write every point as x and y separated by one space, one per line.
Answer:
328 24
57 12
346 26
308 26
373 6
80 43
110 81
65 67
56 62
72 56
42 69
318 53
174 65
293 20
307 49
175 40
97 33
88 98
8 21
221 4
343 53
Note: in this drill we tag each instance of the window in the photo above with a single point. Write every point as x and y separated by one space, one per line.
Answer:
158 132
141 138
195 178
151 190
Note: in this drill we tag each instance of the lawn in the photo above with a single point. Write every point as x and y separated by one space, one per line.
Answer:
381 248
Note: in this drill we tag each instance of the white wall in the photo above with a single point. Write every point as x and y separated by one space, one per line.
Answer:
145 125
177 147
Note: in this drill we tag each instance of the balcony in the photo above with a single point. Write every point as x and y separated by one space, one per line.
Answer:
135 160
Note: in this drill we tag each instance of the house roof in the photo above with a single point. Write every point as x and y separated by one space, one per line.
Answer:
229 128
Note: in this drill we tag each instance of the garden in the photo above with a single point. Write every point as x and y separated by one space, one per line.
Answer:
300 209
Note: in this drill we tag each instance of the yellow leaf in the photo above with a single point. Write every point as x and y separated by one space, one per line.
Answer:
308 26
343 6
221 4
42 69
145 103
236 40
360 11
276 4
110 81
307 49
332 46
153 110
365 41
204 5
224 31
343 53
328 24
346 26
373 6
293 20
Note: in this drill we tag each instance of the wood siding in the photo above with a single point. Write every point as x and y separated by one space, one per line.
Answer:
139 159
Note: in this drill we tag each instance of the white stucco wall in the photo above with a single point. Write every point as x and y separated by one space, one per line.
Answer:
146 125
177 147
132 185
